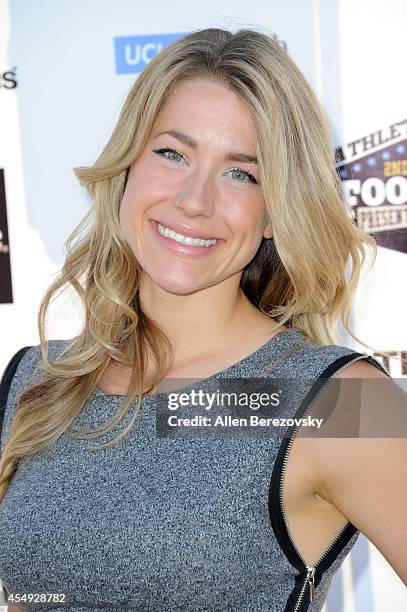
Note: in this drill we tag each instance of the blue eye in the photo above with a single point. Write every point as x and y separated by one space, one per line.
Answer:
176 157
246 175
173 154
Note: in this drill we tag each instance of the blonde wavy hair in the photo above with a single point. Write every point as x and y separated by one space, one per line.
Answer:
305 276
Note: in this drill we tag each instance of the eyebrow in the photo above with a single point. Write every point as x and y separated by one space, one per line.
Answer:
190 142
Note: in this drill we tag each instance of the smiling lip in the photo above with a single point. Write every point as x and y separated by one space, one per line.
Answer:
185 231
185 250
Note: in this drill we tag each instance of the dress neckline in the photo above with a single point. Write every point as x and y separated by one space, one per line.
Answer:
273 342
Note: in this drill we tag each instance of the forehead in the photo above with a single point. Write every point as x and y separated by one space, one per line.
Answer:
207 107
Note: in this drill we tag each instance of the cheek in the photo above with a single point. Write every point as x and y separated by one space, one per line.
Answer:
125 217
135 199
250 218
250 224
146 188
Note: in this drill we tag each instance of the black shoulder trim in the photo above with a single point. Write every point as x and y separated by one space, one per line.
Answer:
378 365
277 519
7 378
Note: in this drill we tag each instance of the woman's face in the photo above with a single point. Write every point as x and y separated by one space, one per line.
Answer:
196 180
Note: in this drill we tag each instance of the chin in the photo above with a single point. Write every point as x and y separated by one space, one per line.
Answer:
177 285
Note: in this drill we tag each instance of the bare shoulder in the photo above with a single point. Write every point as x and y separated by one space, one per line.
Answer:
360 369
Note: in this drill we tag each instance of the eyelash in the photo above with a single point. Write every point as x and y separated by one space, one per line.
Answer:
236 168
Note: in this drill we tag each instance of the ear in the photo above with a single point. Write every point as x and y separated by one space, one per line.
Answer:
268 232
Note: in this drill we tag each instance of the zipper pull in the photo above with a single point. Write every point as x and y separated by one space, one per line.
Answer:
310 579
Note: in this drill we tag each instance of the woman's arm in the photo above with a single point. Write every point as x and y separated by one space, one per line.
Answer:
365 477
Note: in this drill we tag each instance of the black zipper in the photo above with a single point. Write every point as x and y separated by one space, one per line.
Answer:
309 575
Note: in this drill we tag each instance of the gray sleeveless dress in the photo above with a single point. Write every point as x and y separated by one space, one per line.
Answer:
159 524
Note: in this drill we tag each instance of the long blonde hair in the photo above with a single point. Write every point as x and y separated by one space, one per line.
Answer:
305 276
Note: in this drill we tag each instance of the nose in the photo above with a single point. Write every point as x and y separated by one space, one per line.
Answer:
196 196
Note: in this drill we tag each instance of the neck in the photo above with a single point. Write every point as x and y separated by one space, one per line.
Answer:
204 321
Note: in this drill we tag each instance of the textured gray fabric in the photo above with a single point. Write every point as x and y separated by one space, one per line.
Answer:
153 524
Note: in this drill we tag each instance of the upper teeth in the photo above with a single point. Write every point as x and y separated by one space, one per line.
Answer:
168 233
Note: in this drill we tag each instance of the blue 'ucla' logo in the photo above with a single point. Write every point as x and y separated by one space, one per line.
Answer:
132 53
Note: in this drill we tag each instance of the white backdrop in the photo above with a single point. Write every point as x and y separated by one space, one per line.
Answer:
70 86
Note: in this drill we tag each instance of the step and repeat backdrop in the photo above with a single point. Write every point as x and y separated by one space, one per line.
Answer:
65 69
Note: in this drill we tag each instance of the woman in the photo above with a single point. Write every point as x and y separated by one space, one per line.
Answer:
216 248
